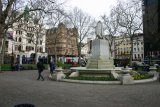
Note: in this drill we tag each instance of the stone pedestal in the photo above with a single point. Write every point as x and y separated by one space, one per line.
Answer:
58 76
100 56
126 78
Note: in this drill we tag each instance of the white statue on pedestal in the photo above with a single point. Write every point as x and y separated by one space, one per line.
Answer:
100 56
99 30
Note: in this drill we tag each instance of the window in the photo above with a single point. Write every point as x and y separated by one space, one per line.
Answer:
30 35
142 55
135 57
19 26
16 48
134 49
19 48
141 48
19 32
40 49
141 43
26 48
20 39
29 41
6 44
16 31
40 42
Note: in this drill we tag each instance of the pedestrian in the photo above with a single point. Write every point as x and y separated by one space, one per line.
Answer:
52 67
17 66
40 68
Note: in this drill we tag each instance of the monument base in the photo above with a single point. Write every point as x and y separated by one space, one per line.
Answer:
100 58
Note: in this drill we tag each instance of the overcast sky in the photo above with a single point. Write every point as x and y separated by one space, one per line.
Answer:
93 7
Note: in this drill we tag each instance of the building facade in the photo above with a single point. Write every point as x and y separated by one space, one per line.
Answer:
123 48
62 41
138 48
151 27
25 41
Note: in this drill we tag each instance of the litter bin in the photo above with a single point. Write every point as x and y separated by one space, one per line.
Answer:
24 105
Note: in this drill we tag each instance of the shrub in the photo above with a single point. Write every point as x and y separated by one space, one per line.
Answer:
60 64
67 66
6 67
141 76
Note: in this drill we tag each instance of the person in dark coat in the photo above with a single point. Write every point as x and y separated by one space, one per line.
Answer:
52 67
40 68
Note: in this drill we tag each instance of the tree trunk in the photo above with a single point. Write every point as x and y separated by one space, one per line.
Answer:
35 53
55 52
79 52
131 53
2 45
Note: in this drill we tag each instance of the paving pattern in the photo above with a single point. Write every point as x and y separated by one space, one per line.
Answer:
22 87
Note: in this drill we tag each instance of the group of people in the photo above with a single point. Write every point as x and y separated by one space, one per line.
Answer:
41 67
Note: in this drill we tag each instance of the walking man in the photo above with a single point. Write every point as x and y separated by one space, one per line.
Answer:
52 67
40 68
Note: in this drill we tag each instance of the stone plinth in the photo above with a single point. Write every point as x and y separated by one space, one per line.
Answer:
58 76
100 56
126 78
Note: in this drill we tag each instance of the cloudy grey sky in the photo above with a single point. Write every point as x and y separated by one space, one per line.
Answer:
93 7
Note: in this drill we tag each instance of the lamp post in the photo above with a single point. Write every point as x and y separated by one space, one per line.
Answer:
12 58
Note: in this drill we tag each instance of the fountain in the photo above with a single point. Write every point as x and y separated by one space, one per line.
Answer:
100 64
100 61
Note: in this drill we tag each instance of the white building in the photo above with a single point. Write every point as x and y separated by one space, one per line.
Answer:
86 50
123 47
138 48
26 35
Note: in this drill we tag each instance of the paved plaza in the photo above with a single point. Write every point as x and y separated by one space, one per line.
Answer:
22 87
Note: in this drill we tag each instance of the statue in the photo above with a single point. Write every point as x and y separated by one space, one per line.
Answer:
99 30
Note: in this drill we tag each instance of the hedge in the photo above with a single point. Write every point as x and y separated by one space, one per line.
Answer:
7 67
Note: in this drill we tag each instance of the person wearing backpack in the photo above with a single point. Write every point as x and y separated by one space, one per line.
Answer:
40 68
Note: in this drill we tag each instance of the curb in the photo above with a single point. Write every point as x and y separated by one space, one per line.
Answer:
109 82
90 82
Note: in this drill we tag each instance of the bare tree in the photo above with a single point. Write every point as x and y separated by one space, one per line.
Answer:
52 21
111 27
13 10
55 18
130 19
83 23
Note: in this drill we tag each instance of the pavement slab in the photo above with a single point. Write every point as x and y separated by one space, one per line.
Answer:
22 87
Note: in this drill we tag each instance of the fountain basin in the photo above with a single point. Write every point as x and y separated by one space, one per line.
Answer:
86 71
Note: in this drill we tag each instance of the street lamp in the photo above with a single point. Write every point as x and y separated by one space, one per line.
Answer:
12 58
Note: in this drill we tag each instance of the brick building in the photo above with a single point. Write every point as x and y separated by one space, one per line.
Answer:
62 41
